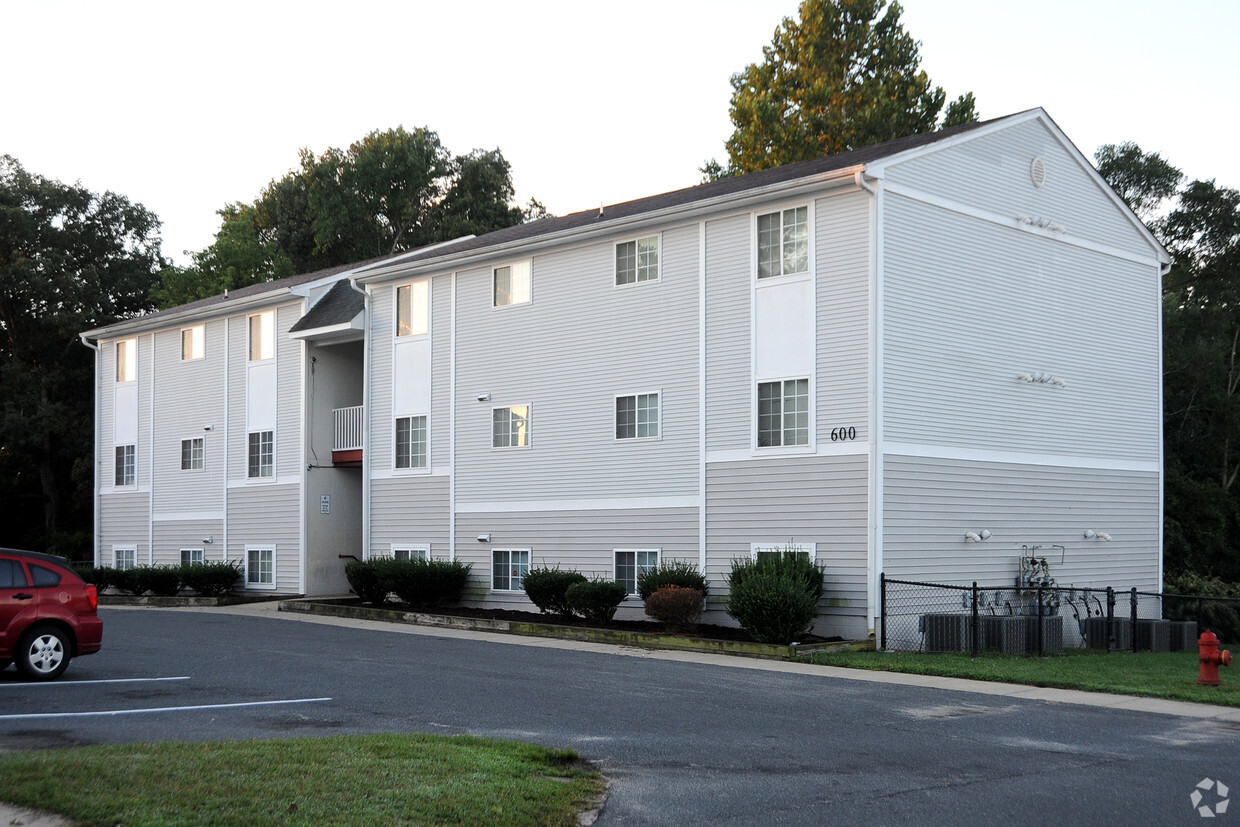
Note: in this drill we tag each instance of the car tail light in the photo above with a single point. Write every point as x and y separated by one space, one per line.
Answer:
92 594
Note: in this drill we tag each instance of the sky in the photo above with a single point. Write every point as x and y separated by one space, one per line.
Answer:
187 107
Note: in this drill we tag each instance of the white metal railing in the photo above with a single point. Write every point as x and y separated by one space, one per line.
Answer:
347 429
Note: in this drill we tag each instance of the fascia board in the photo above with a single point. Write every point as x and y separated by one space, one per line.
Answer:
174 318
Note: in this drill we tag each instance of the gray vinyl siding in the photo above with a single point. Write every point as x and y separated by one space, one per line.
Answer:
929 504
729 299
173 535
843 306
237 360
822 500
411 509
124 520
268 515
290 371
105 455
991 172
441 372
568 354
382 331
146 384
969 305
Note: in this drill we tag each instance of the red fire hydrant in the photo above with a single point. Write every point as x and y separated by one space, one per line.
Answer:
1211 657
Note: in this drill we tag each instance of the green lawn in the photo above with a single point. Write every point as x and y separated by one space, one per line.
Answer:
359 779
1156 675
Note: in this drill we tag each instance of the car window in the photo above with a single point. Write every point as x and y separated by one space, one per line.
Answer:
11 575
44 576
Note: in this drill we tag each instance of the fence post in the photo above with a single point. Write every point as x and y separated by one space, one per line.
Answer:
1040 622
976 645
1110 619
1132 602
882 608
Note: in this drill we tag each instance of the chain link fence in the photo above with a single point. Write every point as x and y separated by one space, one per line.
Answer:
937 617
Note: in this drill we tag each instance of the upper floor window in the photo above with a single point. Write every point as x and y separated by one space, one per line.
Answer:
510 427
783 413
783 242
261 454
193 343
126 465
637 260
413 309
191 454
411 442
263 336
512 284
126 360
637 416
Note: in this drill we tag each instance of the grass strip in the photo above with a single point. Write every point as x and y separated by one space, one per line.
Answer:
349 779
1171 675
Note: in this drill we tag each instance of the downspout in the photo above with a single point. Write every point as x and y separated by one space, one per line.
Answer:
150 458
875 540
95 504
366 412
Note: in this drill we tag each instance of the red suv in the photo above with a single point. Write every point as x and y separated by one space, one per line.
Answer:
47 614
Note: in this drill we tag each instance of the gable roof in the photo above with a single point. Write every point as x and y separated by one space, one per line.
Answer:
339 306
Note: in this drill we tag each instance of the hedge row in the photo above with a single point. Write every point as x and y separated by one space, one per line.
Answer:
423 584
206 579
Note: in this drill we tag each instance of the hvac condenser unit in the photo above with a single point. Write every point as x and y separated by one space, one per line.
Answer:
947 632
1183 635
1153 635
1096 632
1005 633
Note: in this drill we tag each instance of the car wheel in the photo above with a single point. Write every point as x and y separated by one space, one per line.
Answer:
44 653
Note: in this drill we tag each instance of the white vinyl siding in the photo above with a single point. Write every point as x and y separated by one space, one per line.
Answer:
193 343
632 564
513 284
411 442
783 242
637 416
191 454
637 261
510 427
508 568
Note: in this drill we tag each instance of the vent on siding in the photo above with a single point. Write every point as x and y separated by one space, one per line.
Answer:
1037 171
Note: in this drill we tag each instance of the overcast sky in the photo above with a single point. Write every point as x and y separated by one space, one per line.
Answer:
185 107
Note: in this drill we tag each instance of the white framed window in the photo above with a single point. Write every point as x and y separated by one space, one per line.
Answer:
512 284
631 563
411 551
126 465
124 557
413 317
260 567
759 550
193 555
126 360
637 416
193 343
783 413
411 442
263 336
510 427
191 454
637 260
508 568
783 242
260 455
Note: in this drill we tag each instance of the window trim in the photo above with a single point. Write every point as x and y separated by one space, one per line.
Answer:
200 553
410 549
529 427
809 242
126 363
528 552
268 335
615 422
125 475
398 305
809 548
637 569
202 454
246 574
528 264
636 242
198 343
810 442
260 476
116 549
426 444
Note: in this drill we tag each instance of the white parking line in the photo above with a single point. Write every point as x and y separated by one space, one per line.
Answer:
101 680
106 712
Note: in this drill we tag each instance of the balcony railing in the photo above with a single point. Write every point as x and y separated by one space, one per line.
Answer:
347 428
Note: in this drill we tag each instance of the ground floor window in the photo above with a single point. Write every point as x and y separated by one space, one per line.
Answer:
508 569
124 558
760 550
260 567
632 563
412 551
193 555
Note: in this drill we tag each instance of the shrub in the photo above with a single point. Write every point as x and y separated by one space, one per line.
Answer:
210 579
100 576
125 581
164 581
547 587
425 584
775 598
680 573
364 579
676 605
1221 617
596 600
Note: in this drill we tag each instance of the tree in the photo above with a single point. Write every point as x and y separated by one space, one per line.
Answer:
70 260
1143 180
841 77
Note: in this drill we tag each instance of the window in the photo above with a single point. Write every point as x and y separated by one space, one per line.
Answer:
508 569
510 427
124 558
413 309
637 417
12 575
126 360
783 413
512 284
263 336
191 454
260 567
192 343
412 552
765 550
43 576
637 260
126 465
193 555
261 454
411 442
632 564
783 243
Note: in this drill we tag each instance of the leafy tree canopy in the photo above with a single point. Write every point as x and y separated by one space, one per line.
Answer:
843 76
1143 180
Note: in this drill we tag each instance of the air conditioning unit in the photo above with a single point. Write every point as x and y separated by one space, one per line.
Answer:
1052 634
1096 632
947 632
1183 635
1005 633
1153 635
